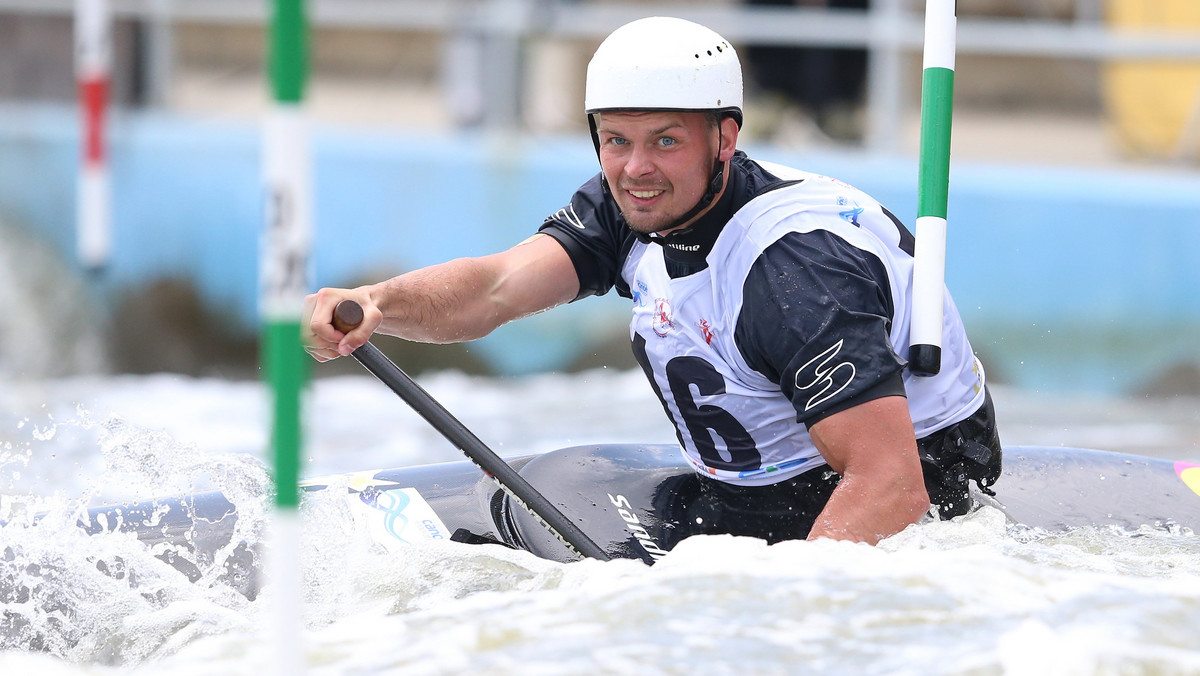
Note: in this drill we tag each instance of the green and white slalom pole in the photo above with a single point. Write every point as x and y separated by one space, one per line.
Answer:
284 282
933 185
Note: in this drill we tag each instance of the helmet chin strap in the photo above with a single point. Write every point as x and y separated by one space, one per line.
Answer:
714 187
715 183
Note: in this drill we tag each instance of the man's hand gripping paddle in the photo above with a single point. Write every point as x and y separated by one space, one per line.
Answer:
349 314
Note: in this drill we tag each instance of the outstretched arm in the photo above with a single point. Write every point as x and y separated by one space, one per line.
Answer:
460 300
882 490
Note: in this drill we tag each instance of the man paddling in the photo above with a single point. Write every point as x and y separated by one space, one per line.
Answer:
770 307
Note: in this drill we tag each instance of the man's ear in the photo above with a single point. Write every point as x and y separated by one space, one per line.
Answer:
729 134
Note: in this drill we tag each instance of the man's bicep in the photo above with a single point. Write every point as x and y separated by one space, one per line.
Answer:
875 437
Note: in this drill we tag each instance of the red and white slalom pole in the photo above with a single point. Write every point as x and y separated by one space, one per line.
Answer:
93 58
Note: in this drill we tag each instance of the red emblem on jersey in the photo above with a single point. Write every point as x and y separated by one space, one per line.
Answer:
706 329
662 317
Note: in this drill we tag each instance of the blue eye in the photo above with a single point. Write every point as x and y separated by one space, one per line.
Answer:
617 141
666 141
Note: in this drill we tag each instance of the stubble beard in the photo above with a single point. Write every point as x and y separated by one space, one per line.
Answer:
649 221
646 223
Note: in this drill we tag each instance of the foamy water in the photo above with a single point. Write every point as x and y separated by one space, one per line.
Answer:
975 596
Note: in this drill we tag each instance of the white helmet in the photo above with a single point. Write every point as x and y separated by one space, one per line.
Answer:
663 63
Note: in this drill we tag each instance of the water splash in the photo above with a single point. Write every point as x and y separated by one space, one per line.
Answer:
968 597
108 598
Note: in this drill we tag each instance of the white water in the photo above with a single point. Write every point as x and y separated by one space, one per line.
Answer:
970 597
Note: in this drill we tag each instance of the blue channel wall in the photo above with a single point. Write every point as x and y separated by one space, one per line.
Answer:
1046 265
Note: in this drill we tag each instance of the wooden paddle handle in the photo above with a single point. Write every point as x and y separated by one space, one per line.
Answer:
347 316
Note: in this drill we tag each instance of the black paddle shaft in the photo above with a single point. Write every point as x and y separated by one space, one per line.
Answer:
347 315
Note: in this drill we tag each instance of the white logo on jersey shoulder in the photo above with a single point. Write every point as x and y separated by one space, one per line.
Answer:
832 379
567 215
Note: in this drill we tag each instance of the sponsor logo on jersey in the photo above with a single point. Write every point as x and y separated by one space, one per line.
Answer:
639 294
567 215
663 319
824 376
706 330
849 215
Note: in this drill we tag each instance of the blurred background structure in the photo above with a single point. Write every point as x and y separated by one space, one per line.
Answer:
453 127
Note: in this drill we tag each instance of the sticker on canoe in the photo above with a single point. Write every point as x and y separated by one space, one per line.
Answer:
1190 474
393 516
396 517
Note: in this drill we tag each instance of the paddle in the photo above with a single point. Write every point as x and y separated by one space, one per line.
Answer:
346 316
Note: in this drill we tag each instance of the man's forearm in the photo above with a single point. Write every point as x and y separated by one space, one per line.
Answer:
446 303
864 511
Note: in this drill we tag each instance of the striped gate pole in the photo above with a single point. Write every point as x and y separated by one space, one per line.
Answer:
93 58
284 275
929 271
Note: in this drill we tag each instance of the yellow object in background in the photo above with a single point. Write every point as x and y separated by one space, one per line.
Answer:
1154 105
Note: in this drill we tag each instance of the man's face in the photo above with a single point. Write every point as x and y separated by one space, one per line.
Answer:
658 164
